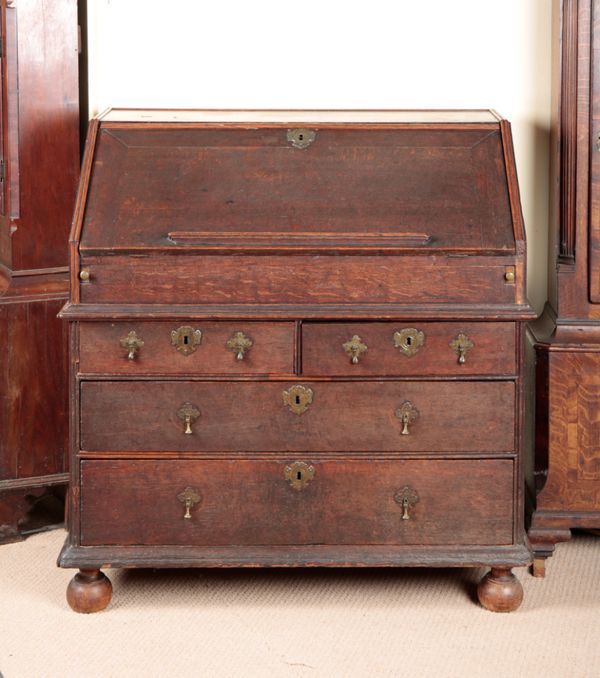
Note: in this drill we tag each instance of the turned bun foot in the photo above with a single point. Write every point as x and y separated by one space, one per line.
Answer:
500 590
89 591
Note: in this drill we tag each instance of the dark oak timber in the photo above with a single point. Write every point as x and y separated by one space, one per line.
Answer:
350 287
350 416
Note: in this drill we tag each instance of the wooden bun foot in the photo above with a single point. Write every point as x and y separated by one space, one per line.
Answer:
500 590
89 591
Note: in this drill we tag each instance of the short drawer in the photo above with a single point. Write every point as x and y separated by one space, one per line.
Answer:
298 416
412 349
296 501
186 348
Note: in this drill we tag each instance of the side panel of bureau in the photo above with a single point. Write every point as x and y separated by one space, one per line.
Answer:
246 502
259 416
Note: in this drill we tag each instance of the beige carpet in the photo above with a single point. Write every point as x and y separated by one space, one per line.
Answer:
329 623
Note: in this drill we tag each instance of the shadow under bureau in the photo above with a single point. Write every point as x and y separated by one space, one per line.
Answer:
297 340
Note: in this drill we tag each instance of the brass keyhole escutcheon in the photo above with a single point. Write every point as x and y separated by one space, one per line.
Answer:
409 340
407 413
354 348
239 344
188 413
299 474
298 398
461 346
301 138
132 344
406 498
189 497
186 339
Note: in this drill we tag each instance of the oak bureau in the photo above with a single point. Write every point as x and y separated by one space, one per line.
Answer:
297 340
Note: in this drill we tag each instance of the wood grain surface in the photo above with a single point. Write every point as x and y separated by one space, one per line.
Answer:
467 417
272 350
493 349
248 502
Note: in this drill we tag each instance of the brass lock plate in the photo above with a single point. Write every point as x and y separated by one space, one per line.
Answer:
301 138
298 398
186 339
299 474
409 340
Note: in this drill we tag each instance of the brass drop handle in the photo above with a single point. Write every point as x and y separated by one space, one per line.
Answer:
406 498
407 413
132 344
354 348
188 413
461 346
239 343
188 498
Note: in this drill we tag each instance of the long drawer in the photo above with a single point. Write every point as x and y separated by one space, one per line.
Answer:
180 348
291 501
298 416
408 349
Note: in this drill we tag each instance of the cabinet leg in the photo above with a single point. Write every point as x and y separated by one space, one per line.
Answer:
543 537
538 567
89 591
500 590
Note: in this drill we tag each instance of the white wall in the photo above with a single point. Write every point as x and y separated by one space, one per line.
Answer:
340 54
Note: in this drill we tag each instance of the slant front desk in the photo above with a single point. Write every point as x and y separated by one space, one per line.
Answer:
296 340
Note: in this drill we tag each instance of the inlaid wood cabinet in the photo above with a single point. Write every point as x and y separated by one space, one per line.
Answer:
567 337
297 340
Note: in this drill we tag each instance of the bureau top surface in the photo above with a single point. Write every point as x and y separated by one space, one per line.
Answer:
302 116
392 181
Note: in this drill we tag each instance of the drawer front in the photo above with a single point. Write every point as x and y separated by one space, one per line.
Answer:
186 348
244 502
411 349
293 279
298 416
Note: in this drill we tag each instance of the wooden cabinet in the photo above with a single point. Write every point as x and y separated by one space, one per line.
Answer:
567 337
39 168
297 339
